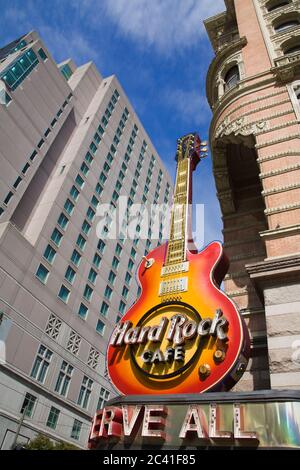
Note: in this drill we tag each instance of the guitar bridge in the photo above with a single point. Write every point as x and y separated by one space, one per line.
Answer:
172 286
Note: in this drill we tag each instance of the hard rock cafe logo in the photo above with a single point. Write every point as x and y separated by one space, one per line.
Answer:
166 340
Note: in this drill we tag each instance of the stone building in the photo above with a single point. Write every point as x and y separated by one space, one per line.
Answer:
253 88
69 141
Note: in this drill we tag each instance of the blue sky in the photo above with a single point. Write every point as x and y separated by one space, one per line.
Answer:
160 53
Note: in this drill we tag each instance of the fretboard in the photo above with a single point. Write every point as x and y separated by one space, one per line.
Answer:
176 252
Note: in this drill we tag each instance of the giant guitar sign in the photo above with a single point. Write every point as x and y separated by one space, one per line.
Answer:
183 334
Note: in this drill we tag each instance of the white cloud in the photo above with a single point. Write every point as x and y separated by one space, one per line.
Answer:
167 24
188 105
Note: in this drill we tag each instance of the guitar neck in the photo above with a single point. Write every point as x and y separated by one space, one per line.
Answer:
180 223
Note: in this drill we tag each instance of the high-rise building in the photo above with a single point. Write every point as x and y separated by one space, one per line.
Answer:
69 142
253 87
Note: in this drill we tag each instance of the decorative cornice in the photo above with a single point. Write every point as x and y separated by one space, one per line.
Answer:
280 189
240 127
280 232
271 268
286 67
275 156
277 141
277 210
279 171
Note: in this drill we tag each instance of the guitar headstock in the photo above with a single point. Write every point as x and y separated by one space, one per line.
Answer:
190 146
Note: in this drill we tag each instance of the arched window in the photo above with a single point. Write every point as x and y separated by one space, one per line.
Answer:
286 25
273 5
232 77
292 49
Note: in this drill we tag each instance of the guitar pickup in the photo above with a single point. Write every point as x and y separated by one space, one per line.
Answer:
173 286
175 268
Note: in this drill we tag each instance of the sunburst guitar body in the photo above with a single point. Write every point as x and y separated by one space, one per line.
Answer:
183 334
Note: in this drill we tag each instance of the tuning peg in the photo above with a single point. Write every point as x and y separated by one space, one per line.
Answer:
204 149
204 143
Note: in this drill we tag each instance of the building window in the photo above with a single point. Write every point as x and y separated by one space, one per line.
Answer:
81 242
49 254
17 182
84 168
108 292
102 178
28 405
53 326
274 4
89 158
94 202
64 294
127 278
90 214
125 292
53 418
97 138
69 206
292 50
83 311
66 71
86 227
232 77
286 25
88 292
42 273
76 429
85 392
41 364
75 258
111 277
96 262
100 327
101 246
56 236
93 359
103 398
104 309
118 249
63 221
99 189
64 379
15 74
122 307
74 342
80 181
70 274
74 193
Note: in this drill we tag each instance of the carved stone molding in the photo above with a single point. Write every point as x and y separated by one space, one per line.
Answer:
279 171
286 67
240 127
280 232
287 207
275 156
277 141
